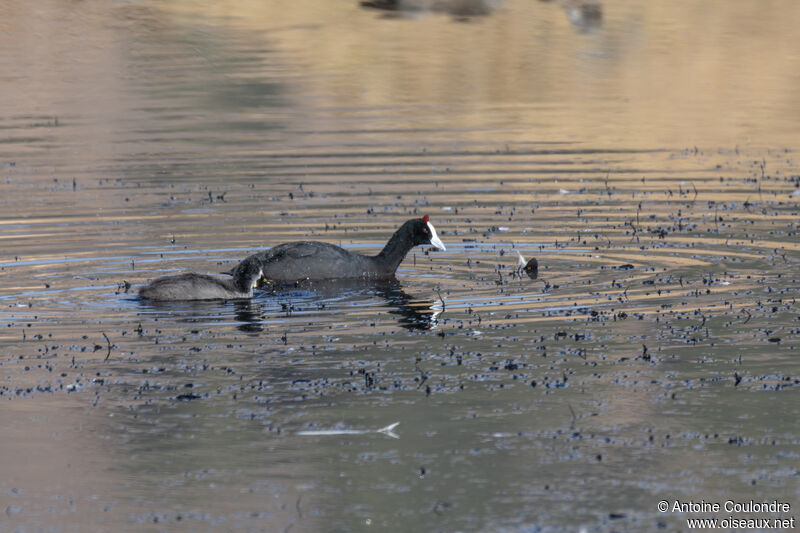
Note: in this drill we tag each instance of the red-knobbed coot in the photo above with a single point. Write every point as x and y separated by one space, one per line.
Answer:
202 287
296 261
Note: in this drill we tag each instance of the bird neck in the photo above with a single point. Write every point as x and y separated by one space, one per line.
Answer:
396 249
244 286
243 280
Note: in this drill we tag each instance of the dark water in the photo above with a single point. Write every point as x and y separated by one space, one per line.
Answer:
644 153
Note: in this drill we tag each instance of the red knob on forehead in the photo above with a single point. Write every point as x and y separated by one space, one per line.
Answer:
425 218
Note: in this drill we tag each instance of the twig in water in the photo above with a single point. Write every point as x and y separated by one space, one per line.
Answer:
423 375
109 345
444 306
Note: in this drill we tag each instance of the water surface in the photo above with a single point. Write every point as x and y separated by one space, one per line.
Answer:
644 153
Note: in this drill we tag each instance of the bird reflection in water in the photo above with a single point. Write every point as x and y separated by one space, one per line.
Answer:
414 313
461 9
585 15
247 313
250 316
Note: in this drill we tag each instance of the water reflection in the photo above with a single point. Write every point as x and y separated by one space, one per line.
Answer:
461 9
250 316
413 313
132 127
585 15
248 313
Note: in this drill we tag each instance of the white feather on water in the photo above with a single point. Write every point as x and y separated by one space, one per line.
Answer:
388 431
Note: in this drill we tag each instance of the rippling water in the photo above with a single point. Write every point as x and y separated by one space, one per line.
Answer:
644 153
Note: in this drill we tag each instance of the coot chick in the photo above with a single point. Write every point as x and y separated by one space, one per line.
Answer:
203 287
315 261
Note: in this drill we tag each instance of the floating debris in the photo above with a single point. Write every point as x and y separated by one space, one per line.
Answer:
388 431
531 268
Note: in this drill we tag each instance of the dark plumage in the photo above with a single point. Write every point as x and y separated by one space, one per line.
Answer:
308 260
203 287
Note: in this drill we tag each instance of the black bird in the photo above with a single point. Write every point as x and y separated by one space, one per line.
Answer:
315 261
203 287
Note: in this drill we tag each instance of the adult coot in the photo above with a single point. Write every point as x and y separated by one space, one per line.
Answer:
202 287
309 260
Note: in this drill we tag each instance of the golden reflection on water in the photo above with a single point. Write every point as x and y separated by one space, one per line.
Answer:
669 74
676 74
